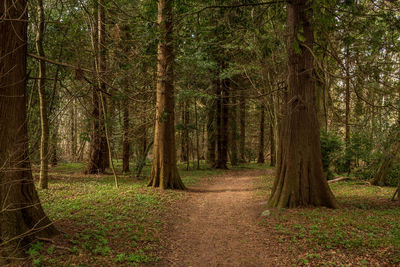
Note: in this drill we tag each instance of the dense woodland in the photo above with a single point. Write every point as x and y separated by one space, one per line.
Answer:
142 91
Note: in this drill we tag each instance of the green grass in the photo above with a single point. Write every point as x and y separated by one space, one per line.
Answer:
104 225
363 231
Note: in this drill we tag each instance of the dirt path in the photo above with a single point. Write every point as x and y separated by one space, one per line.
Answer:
217 225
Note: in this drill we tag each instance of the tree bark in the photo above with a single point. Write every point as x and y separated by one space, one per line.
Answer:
211 126
300 180
98 155
164 173
386 164
21 217
347 113
233 131
242 119
260 158
125 142
44 122
222 125
273 144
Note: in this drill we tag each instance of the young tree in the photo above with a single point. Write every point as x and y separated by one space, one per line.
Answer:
300 180
44 122
260 158
21 215
164 173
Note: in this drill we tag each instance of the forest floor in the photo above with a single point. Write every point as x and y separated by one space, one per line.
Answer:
224 221
217 222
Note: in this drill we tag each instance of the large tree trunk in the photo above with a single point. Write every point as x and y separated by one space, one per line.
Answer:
44 122
300 180
164 173
21 216
96 161
260 158
125 142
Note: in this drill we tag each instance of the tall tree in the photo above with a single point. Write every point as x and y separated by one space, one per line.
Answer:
44 122
242 122
125 138
98 155
300 180
222 123
260 158
164 173
21 215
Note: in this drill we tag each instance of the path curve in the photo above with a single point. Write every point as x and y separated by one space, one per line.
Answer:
217 224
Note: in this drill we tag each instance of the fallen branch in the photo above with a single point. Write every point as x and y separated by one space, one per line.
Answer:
339 179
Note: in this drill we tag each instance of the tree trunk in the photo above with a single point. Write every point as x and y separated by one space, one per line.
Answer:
211 127
222 125
233 131
73 140
300 180
21 217
273 144
98 155
96 162
101 73
242 119
125 142
164 173
347 115
44 122
386 164
185 132
197 135
261 142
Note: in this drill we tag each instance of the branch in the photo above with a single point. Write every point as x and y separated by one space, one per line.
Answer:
77 68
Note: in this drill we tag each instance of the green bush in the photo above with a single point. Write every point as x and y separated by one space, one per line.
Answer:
331 146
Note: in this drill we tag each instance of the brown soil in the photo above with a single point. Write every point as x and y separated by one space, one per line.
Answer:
217 224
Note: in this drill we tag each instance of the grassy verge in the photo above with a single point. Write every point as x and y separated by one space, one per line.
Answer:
102 225
365 231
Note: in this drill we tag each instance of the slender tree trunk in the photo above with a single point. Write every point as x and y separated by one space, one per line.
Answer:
98 155
21 216
261 140
347 115
300 179
164 173
197 135
233 131
211 127
53 149
44 122
102 68
273 144
222 125
73 120
242 119
125 142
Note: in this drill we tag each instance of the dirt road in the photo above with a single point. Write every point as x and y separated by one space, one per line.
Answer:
217 224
